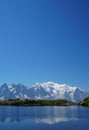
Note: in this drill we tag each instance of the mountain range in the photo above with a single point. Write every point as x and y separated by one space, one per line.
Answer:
42 91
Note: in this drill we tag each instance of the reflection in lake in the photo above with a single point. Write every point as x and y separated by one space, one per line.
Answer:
41 118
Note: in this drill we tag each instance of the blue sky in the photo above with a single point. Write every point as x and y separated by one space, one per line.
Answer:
44 40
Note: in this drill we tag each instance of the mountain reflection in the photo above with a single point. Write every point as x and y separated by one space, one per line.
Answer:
48 115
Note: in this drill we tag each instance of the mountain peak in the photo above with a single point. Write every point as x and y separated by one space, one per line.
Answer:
45 91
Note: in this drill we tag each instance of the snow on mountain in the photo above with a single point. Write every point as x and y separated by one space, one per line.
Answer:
46 90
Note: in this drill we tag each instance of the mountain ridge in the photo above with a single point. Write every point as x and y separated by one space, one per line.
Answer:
43 91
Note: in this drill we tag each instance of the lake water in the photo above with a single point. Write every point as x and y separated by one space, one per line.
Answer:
44 118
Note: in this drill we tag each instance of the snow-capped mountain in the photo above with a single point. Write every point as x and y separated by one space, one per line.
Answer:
47 90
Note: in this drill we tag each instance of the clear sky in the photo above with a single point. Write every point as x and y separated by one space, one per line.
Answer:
44 40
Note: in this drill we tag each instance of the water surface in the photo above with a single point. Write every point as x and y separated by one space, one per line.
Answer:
44 118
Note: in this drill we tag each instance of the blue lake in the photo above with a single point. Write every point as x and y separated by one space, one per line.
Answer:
44 118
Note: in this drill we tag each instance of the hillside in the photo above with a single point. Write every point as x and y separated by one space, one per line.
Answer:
85 102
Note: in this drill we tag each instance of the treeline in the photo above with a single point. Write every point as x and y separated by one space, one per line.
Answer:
26 102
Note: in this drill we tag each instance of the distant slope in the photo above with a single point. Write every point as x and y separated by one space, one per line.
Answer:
42 91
